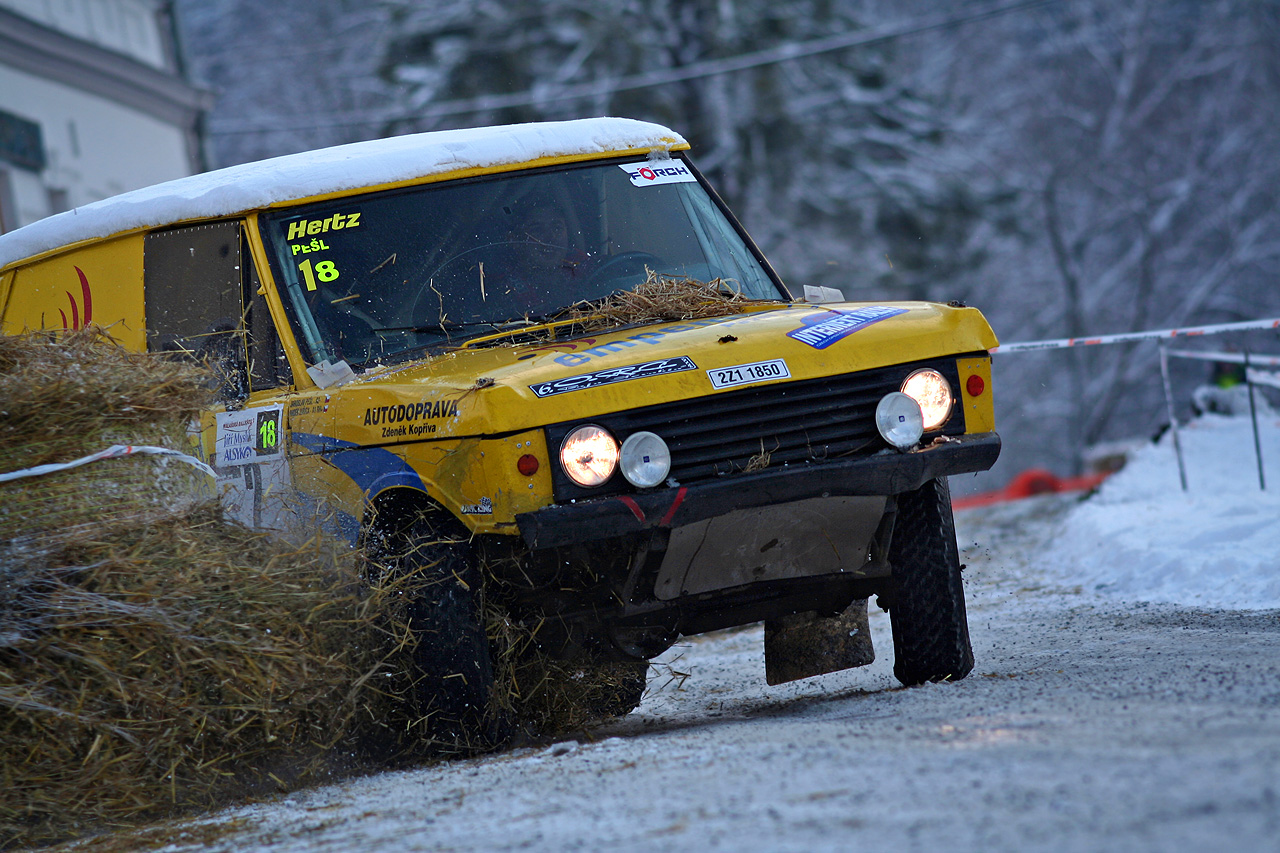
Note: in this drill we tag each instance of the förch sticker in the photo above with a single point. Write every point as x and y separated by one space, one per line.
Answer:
658 172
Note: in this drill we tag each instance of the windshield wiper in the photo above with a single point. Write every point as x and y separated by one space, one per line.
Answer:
446 328
560 313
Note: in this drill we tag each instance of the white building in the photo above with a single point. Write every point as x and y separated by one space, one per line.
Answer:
93 102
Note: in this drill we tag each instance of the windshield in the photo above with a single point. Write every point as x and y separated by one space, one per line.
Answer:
369 277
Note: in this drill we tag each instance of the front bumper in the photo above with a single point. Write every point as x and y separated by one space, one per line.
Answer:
882 474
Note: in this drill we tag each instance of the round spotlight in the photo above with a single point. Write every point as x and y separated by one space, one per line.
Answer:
646 460
589 455
932 391
898 419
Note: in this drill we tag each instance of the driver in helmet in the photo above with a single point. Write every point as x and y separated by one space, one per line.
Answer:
541 269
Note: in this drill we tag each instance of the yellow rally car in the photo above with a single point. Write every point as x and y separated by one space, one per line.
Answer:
392 324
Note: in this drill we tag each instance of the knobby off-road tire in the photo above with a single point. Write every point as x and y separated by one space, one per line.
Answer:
930 628
454 679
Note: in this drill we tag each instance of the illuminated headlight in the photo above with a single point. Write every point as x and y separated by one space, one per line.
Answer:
898 419
932 391
646 461
588 455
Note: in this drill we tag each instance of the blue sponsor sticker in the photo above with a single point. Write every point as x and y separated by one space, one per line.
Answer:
822 330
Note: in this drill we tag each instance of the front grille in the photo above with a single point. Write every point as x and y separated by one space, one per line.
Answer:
791 423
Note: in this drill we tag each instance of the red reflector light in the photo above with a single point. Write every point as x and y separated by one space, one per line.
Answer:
975 386
527 465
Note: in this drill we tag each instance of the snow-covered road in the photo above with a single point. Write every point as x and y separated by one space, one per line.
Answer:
1092 722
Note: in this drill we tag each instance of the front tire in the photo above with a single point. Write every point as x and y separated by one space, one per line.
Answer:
453 679
927 612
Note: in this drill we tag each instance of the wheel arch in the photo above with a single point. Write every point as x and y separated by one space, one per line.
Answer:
404 502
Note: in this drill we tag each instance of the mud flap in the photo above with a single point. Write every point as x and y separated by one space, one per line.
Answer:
807 644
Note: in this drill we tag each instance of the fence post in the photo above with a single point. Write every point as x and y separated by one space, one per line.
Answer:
1173 421
1253 414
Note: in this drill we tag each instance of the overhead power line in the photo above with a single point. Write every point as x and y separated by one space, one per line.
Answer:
648 79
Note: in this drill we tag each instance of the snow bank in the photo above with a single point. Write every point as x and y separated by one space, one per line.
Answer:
1141 537
360 164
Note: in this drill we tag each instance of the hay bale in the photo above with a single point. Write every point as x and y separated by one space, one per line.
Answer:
66 396
187 663
58 392
154 656
165 666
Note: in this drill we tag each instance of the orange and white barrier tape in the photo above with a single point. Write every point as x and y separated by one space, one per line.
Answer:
1229 357
115 451
1128 337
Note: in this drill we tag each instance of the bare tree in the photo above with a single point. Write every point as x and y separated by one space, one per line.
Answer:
833 163
1138 146
290 76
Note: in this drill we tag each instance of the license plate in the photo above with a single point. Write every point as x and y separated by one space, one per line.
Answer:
745 374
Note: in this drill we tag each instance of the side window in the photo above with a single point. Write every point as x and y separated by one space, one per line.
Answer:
268 365
201 299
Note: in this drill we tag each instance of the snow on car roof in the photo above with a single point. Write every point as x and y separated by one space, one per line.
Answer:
360 164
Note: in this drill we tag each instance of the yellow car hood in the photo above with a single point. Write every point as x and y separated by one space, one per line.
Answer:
499 388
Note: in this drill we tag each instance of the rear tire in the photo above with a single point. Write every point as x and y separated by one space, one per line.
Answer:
927 612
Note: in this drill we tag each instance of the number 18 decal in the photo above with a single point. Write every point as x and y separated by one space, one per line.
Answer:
268 433
268 438
745 374
324 270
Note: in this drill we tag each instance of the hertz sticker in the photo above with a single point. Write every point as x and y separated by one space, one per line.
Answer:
311 227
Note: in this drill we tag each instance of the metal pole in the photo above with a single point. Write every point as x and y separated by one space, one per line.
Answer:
1173 421
1253 414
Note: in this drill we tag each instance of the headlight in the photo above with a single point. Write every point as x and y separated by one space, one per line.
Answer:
898 419
646 460
931 390
588 455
